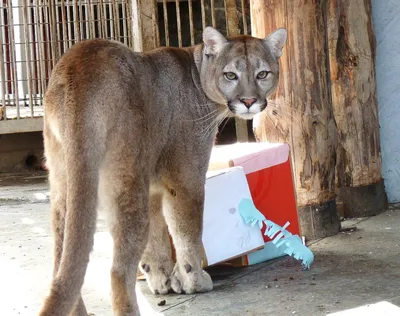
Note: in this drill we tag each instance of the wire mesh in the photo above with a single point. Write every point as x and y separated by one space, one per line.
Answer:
35 33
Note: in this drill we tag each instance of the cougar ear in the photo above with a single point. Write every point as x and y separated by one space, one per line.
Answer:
276 40
213 40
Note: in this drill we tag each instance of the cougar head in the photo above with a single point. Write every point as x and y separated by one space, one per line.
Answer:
242 71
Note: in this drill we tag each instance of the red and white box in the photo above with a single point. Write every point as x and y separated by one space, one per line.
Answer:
269 175
225 235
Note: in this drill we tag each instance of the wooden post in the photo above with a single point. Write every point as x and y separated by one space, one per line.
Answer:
144 25
232 19
232 28
352 72
302 114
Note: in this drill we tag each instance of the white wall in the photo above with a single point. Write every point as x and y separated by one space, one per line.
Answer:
386 17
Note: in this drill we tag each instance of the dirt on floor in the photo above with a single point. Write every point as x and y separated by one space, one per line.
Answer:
356 272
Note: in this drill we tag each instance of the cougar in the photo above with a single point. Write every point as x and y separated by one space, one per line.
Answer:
132 133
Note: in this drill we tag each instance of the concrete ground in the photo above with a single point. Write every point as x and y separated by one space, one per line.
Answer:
354 273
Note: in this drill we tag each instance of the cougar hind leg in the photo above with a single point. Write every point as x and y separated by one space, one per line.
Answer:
73 199
125 183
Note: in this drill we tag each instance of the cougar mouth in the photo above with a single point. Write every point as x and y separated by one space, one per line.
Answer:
250 112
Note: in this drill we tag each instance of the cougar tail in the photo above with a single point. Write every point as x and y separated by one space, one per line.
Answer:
82 157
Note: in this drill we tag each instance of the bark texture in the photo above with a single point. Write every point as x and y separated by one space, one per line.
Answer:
351 52
351 59
301 111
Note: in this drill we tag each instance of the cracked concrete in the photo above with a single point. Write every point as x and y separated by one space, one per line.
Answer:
355 272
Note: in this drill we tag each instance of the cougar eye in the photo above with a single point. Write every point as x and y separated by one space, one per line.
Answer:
262 74
230 75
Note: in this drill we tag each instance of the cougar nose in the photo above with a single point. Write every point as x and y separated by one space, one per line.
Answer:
248 102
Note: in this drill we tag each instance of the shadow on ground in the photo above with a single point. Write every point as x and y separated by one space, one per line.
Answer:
351 270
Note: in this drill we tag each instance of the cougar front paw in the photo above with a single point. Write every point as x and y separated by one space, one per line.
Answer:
157 276
186 280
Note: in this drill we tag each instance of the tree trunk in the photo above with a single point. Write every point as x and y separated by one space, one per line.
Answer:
144 26
232 28
352 71
301 112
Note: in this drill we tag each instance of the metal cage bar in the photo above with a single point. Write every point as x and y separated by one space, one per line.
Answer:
182 21
34 34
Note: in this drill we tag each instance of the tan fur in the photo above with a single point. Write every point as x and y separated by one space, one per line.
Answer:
134 133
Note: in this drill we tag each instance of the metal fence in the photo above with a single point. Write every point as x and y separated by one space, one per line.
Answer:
182 22
35 33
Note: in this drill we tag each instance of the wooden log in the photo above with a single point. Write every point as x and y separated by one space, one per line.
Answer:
232 28
352 72
301 112
144 25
